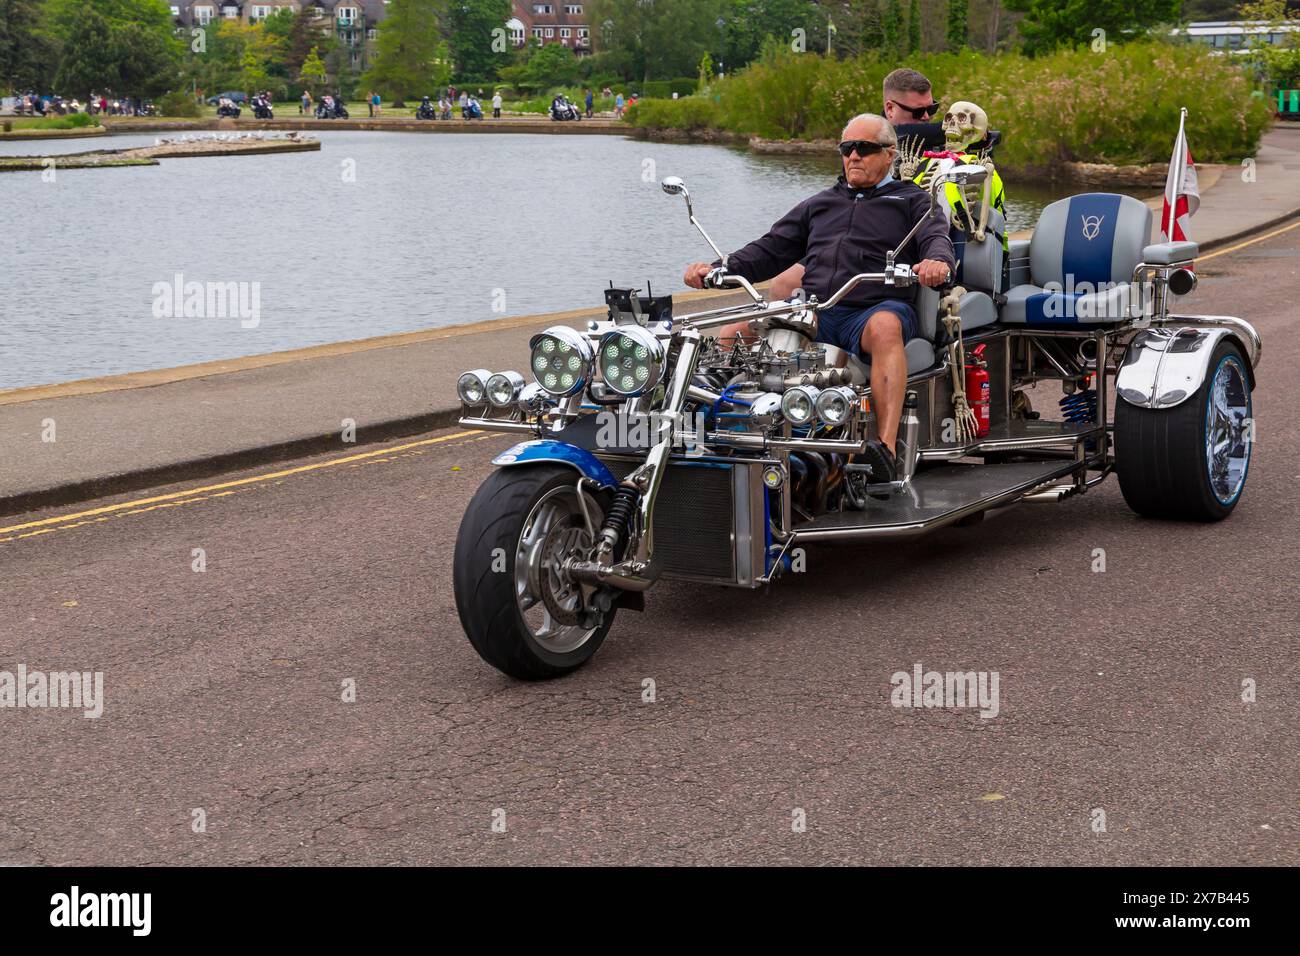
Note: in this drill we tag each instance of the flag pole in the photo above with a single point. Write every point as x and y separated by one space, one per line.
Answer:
1180 170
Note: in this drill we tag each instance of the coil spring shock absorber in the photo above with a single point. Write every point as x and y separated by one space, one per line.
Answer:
1080 408
613 532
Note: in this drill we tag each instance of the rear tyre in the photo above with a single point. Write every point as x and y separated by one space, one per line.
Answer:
516 604
1189 462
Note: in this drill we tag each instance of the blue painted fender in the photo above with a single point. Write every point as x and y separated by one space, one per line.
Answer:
562 453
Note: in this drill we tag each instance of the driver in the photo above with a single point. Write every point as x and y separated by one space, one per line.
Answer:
848 229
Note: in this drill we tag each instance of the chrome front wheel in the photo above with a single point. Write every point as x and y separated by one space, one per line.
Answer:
520 609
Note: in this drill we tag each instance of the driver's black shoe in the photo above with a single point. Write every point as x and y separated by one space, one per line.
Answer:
881 461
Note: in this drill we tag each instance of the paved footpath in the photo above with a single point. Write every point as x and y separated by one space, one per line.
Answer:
1120 692
133 431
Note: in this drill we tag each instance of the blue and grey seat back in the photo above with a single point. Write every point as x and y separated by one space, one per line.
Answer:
1093 237
1081 261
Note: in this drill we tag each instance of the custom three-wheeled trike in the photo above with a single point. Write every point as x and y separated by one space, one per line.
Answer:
653 449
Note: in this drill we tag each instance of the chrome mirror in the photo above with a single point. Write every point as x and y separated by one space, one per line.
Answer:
674 186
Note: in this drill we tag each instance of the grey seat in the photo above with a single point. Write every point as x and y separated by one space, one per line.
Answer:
979 271
1081 260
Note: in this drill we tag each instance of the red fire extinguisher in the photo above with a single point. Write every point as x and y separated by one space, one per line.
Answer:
977 389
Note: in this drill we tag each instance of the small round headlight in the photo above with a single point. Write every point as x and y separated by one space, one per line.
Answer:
835 405
765 408
561 360
472 386
799 404
630 360
503 388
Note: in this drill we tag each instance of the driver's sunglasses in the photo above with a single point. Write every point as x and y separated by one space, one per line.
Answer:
918 112
864 147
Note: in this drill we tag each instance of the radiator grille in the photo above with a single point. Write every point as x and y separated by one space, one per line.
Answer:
694 519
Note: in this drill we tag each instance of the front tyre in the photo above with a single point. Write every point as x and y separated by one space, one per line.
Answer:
1189 462
519 609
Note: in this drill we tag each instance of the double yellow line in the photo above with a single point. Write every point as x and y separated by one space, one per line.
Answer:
237 483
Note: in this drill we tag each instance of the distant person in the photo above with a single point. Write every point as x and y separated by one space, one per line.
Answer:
618 106
589 102
376 105
370 103
464 101
305 106
496 105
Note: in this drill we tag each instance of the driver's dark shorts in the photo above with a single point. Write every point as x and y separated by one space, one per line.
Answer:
842 325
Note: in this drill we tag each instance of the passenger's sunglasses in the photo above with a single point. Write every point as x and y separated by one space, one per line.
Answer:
918 112
864 147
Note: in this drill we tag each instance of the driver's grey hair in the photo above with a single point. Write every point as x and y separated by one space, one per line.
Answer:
887 135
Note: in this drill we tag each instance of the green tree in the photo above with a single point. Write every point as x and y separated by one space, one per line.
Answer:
892 26
411 57
25 51
860 28
657 38
750 22
471 27
134 44
303 37
914 27
1049 24
90 62
957 24
312 73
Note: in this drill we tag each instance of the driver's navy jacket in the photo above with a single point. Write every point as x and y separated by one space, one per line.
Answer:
842 231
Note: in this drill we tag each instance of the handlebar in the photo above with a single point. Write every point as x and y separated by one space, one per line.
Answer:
719 278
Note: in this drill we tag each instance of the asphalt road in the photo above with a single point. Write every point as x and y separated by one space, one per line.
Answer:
1119 691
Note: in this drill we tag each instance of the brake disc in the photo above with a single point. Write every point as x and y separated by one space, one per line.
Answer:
564 539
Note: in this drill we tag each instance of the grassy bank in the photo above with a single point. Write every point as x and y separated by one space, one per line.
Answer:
71 121
1118 107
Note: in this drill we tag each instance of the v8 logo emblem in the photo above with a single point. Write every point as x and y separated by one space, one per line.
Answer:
1092 226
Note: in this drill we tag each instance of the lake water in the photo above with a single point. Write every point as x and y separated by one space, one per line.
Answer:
375 234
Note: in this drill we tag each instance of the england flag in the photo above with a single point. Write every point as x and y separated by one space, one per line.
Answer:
1181 192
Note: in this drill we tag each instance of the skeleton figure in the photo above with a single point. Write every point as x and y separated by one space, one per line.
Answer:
963 125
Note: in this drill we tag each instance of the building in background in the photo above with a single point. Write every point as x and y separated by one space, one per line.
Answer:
549 22
353 22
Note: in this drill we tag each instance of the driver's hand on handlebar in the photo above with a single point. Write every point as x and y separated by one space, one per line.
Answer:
695 274
932 272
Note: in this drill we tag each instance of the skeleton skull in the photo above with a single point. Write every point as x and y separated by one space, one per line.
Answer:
964 124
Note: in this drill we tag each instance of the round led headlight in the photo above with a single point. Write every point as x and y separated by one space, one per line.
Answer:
472 386
835 405
630 360
799 404
561 360
503 388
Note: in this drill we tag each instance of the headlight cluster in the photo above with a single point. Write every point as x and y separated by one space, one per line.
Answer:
479 385
561 361
831 406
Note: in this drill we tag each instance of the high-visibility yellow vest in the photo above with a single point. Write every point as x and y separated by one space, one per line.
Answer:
952 193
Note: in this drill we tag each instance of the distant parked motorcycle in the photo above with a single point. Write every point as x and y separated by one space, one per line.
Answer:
262 107
426 110
472 111
227 107
330 108
564 111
